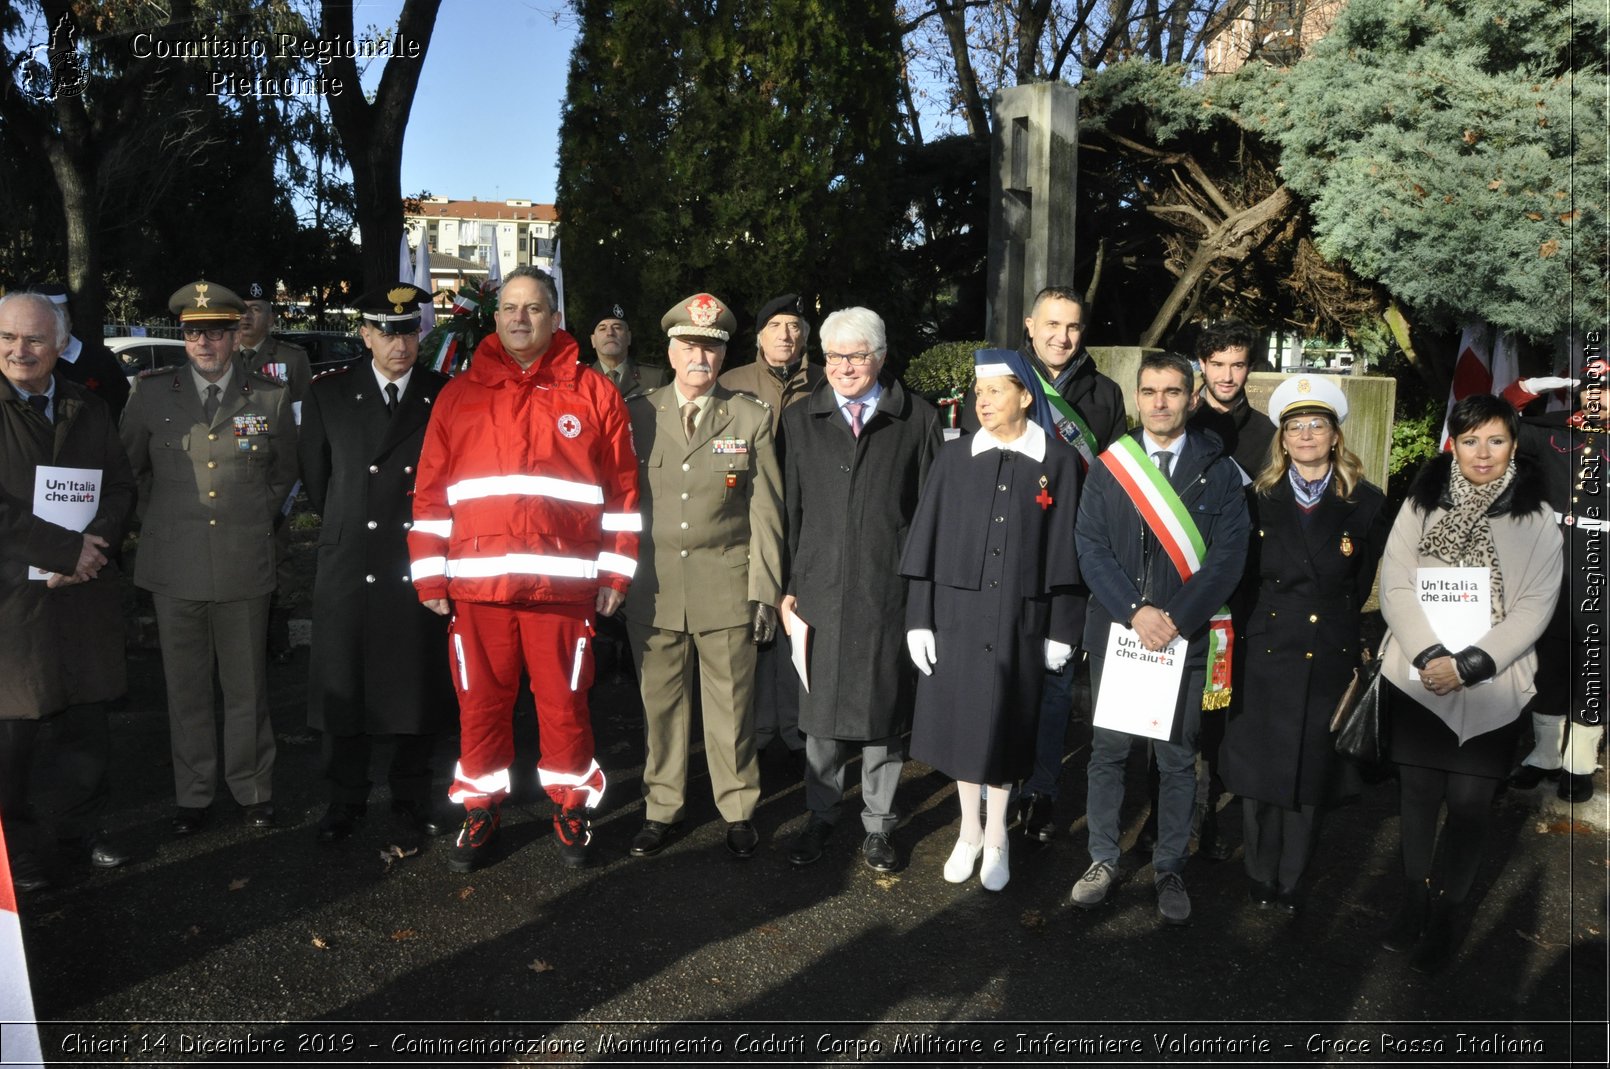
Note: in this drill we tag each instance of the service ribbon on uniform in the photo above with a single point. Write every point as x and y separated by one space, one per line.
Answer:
1166 516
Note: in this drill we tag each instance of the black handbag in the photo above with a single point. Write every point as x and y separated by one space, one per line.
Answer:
1359 725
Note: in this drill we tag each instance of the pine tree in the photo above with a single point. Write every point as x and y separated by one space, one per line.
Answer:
744 147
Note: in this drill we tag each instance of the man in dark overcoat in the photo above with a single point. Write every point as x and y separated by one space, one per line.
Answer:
376 663
89 363
1054 332
1134 583
62 658
861 448
1224 355
213 447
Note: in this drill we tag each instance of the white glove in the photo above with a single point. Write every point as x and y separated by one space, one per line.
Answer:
1056 655
1548 382
920 641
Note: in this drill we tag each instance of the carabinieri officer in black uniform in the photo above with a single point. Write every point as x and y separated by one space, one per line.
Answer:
377 665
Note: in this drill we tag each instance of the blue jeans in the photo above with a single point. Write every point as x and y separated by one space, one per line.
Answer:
1056 702
1176 768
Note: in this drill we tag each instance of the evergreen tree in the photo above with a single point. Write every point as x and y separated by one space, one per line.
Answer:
744 147
1454 151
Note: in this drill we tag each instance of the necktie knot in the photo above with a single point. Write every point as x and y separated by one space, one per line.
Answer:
39 403
391 396
248 354
209 407
1165 461
690 416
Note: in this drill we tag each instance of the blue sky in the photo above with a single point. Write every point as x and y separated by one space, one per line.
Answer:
486 116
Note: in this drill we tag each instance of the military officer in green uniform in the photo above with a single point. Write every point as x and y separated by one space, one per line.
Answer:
213 447
708 574
612 346
267 355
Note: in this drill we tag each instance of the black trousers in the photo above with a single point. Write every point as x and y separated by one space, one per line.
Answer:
346 766
53 775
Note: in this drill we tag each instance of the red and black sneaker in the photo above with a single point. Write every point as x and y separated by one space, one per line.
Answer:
474 843
573 828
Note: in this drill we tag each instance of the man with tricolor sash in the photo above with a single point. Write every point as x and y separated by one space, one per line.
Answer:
1162 537
1087 410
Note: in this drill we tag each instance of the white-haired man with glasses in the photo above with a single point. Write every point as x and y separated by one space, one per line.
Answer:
213 447
859 449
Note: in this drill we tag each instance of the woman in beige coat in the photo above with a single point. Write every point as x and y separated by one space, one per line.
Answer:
1454 713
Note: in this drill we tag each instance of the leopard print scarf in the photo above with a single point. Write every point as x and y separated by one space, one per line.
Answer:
1463 537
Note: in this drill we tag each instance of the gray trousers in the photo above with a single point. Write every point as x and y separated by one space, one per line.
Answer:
229 636
881 762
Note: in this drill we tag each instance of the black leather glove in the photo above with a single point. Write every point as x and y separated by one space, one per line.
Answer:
1430 654
763 625
1474 666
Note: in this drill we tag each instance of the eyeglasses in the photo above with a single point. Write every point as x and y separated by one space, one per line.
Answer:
1312 426
210 333
853 359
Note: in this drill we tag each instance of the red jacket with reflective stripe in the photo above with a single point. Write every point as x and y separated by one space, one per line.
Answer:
527 483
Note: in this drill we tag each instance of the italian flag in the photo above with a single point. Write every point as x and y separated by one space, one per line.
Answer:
463 304
19 1039
1166 516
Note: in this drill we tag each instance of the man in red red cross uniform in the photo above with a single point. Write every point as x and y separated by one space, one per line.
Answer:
525 526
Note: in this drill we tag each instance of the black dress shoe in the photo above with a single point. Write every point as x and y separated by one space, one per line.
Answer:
260 815
879 853
1525 776
651 838
338 821
188 820
1261 894
807 846
1286 902
742 838
1037 816
28 873
1575 788
421 817
101 853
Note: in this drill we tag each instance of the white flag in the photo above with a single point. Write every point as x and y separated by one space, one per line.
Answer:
558 274
1486 363
405 266
494 264
427 308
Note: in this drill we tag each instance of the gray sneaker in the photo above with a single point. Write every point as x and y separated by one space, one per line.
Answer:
1091 890
1173 904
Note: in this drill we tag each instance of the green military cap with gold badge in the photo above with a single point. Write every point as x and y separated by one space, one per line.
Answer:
700 316
205 303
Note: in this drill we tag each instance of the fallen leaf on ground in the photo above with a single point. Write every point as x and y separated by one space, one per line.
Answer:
195 930
1032 918
464 893
888 883
240 884
403 933
538 965
320 944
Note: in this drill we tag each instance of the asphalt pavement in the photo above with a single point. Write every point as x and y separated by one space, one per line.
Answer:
239 946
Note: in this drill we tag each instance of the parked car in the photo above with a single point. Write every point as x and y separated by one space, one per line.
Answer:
325 348
143 354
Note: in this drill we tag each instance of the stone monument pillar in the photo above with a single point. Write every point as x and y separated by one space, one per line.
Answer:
1034 162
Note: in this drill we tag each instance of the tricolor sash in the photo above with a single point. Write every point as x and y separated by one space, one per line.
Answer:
1071 427
1170 522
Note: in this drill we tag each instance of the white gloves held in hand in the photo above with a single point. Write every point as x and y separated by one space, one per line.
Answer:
1546 383
1057 655
920 641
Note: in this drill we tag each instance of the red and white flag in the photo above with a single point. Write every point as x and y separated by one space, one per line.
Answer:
19 1038
1486 364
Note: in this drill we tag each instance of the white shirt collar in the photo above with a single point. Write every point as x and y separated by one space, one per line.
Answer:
73 350
1153 447
1031 444
870 398
401 380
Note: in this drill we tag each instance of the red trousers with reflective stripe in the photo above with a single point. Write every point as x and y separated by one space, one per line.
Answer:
488 646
